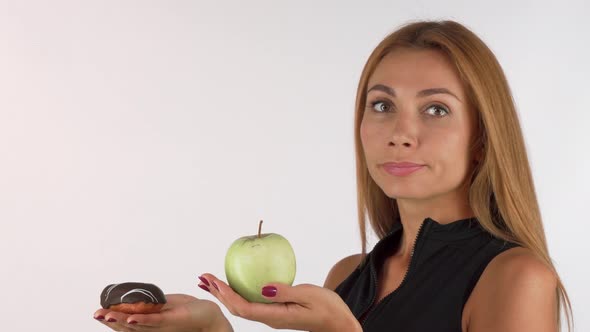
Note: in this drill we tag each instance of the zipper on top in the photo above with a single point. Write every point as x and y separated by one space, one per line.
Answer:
371 308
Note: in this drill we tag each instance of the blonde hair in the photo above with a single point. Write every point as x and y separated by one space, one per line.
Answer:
501 189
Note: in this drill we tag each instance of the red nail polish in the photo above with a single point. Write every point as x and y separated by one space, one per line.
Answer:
269 291
111 320
101 317
205 288
204 280
215 285
132 322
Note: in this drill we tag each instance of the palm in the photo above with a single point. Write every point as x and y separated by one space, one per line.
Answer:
174 300
188 310
180 313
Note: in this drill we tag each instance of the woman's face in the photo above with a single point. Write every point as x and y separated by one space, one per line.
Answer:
402 123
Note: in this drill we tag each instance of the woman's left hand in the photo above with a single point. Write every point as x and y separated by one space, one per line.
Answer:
303 307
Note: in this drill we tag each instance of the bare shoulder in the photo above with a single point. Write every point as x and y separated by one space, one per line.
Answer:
520 267
341 270
516 292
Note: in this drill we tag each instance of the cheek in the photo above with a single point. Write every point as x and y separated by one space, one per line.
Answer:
369 142
448 153
365 132
371 131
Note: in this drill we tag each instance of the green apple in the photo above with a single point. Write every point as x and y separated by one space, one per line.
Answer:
253 261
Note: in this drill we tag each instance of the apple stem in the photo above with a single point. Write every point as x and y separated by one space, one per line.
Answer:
259 228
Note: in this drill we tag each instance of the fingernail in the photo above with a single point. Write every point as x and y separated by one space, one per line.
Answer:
99 317
215 285
111 320
132 322
205 288
269 291
204 280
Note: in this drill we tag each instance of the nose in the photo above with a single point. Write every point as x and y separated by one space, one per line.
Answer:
403 131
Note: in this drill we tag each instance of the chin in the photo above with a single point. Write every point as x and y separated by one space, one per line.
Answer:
405 196
405 193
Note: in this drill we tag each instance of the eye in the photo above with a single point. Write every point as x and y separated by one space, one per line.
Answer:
380 106
439 107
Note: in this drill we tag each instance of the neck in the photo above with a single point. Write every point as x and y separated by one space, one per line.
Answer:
413 213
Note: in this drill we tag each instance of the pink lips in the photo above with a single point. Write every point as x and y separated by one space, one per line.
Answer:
401 169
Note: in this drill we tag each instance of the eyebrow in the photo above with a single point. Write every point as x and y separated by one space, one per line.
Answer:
423 93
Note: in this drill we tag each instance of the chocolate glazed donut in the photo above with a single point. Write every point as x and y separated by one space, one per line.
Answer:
133 298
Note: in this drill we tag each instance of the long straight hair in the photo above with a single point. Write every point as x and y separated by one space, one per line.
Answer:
501 189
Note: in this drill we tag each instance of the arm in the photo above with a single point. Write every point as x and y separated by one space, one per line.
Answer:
519 294
338 273
303 307
181 312
341 270
220 325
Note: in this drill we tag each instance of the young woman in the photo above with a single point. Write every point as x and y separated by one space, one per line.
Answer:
444 178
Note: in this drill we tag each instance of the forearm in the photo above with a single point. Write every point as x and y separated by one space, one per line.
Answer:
350 325
221 325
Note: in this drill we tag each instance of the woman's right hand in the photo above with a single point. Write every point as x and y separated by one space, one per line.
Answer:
181 313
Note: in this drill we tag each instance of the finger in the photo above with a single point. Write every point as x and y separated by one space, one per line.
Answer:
167 317
148 320
275 315
116 317
100 314
283 293
120 326
238 306
206 283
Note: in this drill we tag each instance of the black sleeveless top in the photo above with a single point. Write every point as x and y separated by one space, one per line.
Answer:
447 261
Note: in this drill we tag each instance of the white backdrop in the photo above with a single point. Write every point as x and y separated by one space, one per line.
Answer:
138 139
